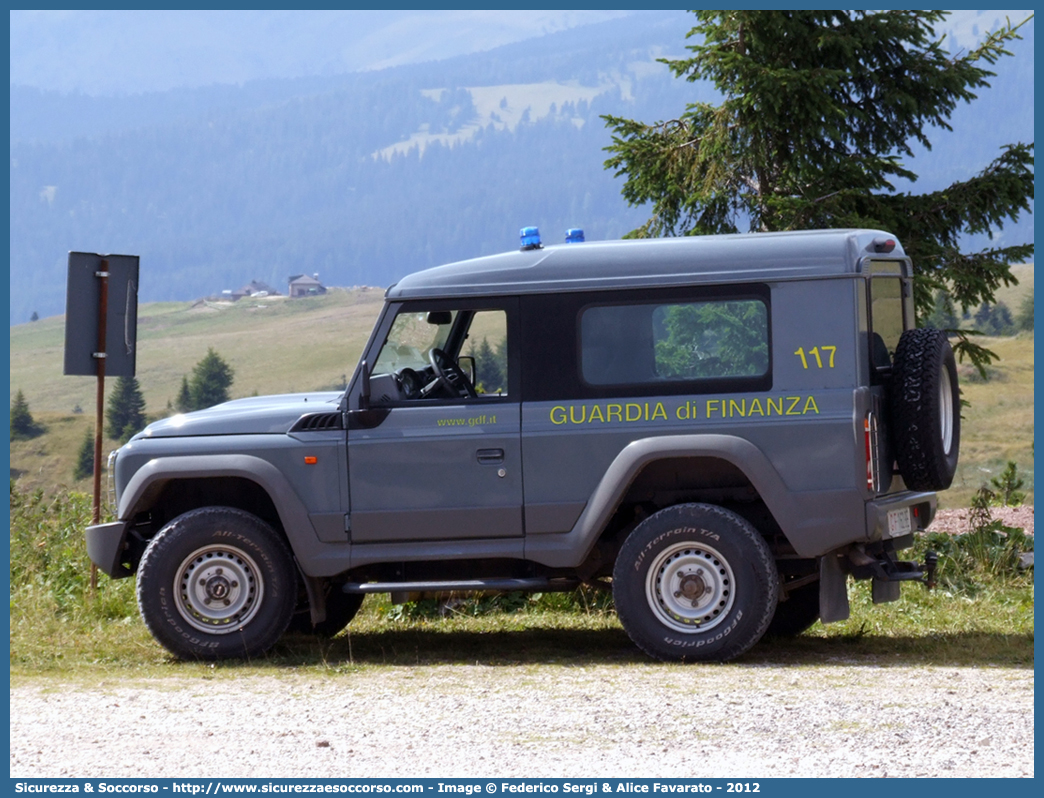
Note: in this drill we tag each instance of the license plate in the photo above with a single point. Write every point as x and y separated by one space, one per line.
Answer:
899 522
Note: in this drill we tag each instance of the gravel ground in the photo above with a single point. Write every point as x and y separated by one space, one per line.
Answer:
535 721
956 521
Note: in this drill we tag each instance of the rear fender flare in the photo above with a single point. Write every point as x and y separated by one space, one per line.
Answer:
572 548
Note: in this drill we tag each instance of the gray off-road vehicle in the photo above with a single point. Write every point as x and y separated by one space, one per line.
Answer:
718 429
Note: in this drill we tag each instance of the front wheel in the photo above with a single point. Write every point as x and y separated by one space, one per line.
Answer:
216 583
695 583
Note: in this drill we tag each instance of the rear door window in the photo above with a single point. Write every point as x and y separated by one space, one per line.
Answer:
886 313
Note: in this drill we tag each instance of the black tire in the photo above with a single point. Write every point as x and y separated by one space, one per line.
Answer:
341 608
797 613
216 583
695 583
925 410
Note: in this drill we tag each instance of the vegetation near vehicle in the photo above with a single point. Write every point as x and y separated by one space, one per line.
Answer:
818 111
719 447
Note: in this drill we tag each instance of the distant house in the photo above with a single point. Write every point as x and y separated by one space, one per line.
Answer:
254 288
303 285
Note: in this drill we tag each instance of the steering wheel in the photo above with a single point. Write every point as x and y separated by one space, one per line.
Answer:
451 376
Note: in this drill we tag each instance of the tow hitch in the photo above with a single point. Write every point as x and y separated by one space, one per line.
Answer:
887 569
931 560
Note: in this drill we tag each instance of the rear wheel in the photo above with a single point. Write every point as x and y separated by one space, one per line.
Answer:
216 583
695 582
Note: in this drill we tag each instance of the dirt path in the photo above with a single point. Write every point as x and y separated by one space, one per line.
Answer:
745 721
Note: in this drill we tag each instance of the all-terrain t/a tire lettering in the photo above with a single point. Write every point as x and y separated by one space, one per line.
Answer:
695 582
926 409
216 583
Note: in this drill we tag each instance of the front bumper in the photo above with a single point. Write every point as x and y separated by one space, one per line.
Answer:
106 545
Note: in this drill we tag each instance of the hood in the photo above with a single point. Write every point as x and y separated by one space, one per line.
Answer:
257 414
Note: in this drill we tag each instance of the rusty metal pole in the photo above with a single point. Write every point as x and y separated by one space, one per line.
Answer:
103 311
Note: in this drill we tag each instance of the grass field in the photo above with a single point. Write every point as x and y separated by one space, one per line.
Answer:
993 629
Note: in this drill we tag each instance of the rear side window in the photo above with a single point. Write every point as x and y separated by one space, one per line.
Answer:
669 342
886 319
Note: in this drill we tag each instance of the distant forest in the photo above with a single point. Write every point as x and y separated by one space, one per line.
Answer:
219 186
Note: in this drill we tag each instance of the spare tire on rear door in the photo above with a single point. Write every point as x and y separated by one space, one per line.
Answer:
925 409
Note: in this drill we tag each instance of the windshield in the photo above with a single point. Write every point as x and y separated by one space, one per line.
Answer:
411 339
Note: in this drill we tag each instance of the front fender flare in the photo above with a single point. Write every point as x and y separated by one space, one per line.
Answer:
149 481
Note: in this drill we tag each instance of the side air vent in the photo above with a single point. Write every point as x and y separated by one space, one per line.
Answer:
318 422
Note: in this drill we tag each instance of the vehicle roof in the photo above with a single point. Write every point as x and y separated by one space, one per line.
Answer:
644 263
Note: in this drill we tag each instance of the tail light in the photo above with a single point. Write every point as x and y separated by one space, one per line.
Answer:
870 435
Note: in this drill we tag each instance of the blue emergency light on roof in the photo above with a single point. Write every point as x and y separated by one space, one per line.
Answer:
530 238
574 235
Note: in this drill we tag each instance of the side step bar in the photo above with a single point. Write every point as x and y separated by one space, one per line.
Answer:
535 583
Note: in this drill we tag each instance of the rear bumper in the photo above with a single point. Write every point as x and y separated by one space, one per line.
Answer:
106 544
922 506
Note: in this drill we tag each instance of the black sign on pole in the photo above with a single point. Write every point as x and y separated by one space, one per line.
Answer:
101 332
82 310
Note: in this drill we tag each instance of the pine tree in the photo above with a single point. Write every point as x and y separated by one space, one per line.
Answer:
183 404
126 410
1025 317
85 457
23 425
819 109
944 314
211 379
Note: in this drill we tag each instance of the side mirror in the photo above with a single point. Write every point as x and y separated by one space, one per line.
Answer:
364 392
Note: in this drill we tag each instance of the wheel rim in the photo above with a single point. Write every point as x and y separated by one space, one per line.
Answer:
946 411
218 589
690 587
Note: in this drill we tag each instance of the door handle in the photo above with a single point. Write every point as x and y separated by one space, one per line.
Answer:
490 456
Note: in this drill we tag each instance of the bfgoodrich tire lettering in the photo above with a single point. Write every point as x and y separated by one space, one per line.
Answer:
926 410
216 583
695 583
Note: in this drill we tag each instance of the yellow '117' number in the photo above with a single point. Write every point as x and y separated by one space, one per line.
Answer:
815 352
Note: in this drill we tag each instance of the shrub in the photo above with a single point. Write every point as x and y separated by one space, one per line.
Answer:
1006 487
50 571
986 555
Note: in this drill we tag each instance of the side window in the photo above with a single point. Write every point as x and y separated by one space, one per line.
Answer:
436 352
886 319
685 341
